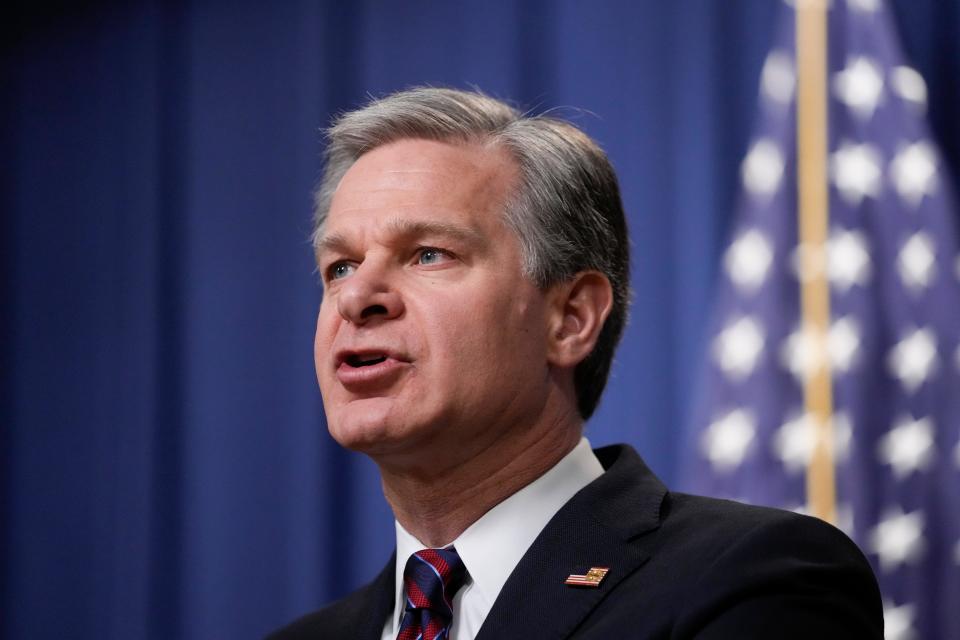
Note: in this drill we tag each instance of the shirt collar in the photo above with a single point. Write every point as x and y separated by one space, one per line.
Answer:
493 545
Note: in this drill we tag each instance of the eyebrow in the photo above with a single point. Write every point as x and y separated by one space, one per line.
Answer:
335 242
405 228
415 228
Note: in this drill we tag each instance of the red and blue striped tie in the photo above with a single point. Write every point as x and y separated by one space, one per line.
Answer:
431 578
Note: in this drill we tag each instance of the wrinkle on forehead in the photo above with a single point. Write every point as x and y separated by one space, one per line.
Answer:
455 160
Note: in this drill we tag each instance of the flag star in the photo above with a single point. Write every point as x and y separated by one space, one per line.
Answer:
726 440
778 78
914 172
898 622
843 342
797 439
738 347
916 261
914 358
909 85
856 172
897 539
859 86
908 446
848 261
748 260
804 352
845 258
867 6
762 168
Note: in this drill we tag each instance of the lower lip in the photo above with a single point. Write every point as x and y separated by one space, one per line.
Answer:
369 377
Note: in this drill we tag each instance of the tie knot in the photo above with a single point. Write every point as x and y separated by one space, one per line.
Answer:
432 577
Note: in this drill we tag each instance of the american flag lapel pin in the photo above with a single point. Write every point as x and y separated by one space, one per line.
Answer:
592 578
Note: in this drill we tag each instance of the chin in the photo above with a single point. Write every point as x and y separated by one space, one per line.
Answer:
366 426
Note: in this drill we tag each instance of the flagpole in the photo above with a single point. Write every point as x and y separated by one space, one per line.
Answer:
813 217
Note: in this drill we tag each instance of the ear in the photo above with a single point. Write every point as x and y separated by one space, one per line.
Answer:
578 309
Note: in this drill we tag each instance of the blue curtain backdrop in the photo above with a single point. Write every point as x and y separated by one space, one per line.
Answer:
164 466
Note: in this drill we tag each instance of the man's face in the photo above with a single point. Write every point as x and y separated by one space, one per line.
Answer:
428 336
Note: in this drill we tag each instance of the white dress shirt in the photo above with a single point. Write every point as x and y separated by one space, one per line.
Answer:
492 546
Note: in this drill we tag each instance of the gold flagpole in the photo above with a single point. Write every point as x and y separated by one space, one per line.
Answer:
813 217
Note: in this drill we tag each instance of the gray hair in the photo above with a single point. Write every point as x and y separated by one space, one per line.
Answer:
566 212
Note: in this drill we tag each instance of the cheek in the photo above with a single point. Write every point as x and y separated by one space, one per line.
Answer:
488 338
322 341
327 317
319 339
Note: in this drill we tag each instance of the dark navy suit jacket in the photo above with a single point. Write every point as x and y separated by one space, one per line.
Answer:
681 566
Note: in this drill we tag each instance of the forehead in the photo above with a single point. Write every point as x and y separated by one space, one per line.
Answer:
426 177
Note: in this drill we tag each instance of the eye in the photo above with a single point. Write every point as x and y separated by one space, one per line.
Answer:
340 270
432 255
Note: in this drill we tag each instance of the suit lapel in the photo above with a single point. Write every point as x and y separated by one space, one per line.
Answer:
597 528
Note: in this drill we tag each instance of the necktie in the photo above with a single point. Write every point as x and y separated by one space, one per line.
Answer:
430 579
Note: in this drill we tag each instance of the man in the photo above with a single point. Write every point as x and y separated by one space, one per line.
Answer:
475 269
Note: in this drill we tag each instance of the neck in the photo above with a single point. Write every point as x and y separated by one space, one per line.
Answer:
438 508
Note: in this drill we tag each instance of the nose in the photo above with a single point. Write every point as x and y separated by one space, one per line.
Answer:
368 295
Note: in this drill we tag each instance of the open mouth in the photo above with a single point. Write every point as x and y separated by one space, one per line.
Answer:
370 370
364 360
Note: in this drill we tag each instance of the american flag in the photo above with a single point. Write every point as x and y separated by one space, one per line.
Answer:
893 347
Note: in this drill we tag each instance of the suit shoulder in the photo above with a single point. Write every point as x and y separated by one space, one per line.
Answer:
686 504
726 521
753 562
715 530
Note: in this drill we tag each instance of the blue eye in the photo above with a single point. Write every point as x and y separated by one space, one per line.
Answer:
340 270
430 255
